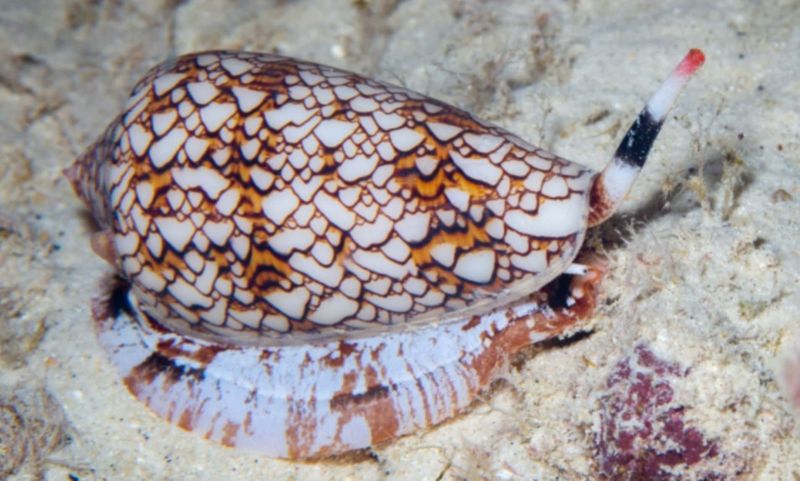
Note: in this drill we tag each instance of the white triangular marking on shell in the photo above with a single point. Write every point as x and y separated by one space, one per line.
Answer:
218 232
323 95
127 244
210 180
164 83
241 246
195 148
444 254
294 134
298 159
290 113
304 213
379 286
349 196
188 295
224 286
292 303
479 169
534 180
476 265
444 132
215 114
433 298
299 92
175 198
276 322
414 227
288 240
140 139
176 232
155 244
206 59
228 201
323 252
161 122
217 314
517 168
310 78
249 317
334 211
252 124
483 143
529 202
244 224
388 121
458 198
248 99
205 281
194 260
379 263
235 66
221 156
357 168
306 190
518 242
276 161
164 150
395 303
250 148
151 280
556 186
333 310
351 287
395 208
500 154
363 105
415 286
202 92
553 219
396 249
261 178
145 193
382 174
535 261
495 228
405 139
426 164
310 145
134 113
344 92
141 221
330 276
333 132
369 234
279 205
387 151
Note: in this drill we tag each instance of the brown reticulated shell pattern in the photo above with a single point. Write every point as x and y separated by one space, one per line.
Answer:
251 196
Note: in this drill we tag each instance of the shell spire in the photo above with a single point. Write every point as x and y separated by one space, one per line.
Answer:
611 186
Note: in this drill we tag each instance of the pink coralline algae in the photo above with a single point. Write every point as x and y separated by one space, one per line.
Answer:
642 434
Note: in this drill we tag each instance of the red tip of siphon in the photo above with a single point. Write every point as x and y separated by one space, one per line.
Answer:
691 62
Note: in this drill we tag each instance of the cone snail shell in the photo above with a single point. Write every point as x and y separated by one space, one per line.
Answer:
316 262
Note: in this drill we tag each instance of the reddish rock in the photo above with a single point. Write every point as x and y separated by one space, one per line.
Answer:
643 435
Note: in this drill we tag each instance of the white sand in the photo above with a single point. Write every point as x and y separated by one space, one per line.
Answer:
708 279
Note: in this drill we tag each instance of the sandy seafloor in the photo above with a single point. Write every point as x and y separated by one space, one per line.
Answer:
703 264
